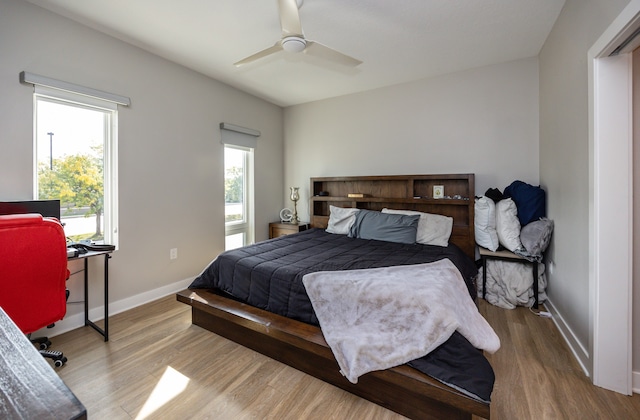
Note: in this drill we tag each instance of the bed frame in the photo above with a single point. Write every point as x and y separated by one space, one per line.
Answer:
401 389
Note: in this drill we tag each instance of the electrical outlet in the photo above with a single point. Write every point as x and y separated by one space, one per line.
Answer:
173 253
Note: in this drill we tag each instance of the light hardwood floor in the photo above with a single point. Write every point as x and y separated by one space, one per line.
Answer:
158 365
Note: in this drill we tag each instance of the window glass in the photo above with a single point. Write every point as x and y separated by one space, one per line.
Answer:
237 196
74 156
234 241
234 185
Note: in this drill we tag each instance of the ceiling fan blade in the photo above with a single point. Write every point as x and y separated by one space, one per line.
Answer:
289 18
260 54
319 50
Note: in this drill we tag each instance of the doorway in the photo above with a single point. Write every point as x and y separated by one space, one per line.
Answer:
611 205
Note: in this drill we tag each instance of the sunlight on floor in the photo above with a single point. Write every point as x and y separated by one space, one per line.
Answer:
170 386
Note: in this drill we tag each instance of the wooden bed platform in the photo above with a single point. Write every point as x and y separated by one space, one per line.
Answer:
401 389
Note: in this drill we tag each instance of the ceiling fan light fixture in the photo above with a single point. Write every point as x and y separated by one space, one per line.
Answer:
294 44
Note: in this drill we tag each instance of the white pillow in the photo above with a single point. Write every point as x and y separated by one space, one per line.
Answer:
433 229
485 223
341 219
508 225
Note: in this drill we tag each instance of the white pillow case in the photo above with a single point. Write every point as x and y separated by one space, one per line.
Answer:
508 225
433 229
341 219
485 223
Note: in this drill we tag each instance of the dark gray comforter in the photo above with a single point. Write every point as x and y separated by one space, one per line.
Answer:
268 275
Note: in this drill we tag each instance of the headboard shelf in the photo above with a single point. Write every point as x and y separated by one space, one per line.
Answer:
405 192
438 201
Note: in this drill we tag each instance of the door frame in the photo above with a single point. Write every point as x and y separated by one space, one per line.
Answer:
611 205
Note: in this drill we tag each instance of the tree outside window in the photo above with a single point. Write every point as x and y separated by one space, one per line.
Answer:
78 182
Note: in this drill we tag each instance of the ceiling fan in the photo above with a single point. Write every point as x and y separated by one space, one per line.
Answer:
293 40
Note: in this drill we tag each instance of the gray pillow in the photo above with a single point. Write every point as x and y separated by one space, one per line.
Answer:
341 219
433 229
385 227
535 236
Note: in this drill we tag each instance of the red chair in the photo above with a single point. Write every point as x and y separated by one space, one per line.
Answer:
33 272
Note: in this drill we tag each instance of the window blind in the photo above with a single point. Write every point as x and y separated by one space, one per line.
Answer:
236 135
48 82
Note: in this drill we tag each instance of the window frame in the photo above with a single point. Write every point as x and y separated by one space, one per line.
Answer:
245 226
110 150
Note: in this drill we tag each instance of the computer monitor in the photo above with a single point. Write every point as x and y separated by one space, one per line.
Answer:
47 208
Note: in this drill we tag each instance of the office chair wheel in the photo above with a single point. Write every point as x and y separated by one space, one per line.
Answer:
58 358
41 343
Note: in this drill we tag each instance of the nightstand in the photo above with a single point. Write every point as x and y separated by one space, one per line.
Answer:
277 229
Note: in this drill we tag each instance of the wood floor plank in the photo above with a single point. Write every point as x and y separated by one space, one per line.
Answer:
536 375
553 384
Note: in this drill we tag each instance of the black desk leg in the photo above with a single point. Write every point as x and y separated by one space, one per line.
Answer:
107 257
86 292
87 322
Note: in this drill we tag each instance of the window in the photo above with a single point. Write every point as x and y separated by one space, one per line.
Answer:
238 196
75 162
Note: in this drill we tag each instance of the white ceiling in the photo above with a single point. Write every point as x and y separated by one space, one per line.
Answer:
397 40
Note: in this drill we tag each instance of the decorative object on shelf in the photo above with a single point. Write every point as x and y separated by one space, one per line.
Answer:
323 194
295 196
286 215
356 195
438 191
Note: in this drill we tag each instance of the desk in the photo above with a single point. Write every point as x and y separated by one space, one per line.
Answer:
30 388
87 322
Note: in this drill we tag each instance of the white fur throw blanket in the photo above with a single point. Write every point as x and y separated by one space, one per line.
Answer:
378 318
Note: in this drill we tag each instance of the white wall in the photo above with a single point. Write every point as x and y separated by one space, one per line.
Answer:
564 158
170 156
482 121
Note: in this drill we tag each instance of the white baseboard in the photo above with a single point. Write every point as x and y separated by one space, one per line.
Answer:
71 322
579 351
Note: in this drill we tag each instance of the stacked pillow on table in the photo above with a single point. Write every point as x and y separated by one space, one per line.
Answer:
515 220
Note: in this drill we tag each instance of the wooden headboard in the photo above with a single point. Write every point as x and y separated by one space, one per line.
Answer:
403 192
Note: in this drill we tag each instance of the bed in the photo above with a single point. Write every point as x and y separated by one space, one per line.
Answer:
284 325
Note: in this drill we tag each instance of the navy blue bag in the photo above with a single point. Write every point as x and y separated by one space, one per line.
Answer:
530 200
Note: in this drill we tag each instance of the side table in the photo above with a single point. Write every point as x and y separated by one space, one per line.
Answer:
505 255
277 229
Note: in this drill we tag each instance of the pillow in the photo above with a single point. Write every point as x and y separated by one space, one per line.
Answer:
433 229
341 219
508 225
530 200
385 227
535 236
494 194
485 223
